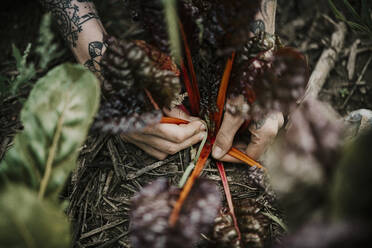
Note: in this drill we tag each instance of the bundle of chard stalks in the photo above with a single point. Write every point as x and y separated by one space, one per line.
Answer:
142 78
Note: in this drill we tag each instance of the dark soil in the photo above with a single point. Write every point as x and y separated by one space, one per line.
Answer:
111 171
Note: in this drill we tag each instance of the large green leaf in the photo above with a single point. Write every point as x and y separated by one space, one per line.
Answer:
56 119
26 221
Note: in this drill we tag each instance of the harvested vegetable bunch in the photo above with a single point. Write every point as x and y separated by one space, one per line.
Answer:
272 79
134 71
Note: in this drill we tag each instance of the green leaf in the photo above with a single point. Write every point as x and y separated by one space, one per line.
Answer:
25 221
171 19
352 10
366 13
46 48
358 27
25 71
56 119
335 11
17 55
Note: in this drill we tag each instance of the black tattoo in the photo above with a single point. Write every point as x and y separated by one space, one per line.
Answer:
258 26
264 7
95 49
68 17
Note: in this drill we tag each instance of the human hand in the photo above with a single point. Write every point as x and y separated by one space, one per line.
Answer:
263 133
162 140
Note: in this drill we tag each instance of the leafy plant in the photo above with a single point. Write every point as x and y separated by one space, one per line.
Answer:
56 118
208 68
362 22
344 92
26 221
46 48
25 71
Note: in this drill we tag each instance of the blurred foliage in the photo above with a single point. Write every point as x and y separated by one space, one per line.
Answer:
25 221
47 51
171 18
360 22
350 193
46 48
56 119
26 71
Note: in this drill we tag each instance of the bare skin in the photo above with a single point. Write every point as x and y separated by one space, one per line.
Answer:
83 31
262 132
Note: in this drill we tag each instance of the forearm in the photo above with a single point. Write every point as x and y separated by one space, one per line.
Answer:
81 28
265 18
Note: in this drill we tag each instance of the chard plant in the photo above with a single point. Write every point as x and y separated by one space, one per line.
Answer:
360 22
56 118
220 61
47 51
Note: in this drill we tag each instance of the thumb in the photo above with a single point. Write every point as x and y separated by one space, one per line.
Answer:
225 137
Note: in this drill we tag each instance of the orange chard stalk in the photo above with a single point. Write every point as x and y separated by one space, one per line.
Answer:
206 151
244 158
221 98
173 120
191 87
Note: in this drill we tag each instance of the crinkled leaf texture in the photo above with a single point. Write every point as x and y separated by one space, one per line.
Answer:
151 209
25 221
58 112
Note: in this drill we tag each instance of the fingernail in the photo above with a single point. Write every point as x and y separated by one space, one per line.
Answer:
202 127
217 152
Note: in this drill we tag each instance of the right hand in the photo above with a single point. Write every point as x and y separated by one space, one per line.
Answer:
161 140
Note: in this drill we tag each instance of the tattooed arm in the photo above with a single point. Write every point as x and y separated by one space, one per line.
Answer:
81 28
262 132
265 18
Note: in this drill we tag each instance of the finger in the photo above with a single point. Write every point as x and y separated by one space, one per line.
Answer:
146 148
225 137
178 113
263 134
164 145
175 133
231 159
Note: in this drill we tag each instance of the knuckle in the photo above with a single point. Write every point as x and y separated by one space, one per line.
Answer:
171 149
179 137
270 131
161 156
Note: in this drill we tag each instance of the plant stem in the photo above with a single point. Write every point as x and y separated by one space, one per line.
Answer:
173 120
206 151
192 164
226 188
52 154
244 158
173 32
221 98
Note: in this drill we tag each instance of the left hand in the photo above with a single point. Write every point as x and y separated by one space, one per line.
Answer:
263 133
